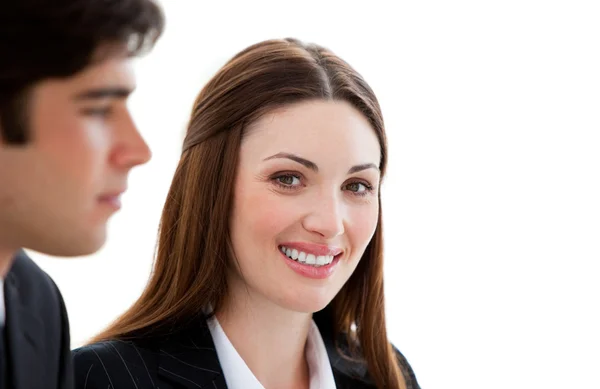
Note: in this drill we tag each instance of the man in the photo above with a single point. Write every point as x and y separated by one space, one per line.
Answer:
67 143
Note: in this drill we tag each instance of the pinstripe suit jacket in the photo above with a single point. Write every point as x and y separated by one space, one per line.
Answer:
187 359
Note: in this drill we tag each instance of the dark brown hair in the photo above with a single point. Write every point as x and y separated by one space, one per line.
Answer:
41 39
194 246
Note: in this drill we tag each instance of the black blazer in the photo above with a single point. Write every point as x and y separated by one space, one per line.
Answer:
187 359
37 329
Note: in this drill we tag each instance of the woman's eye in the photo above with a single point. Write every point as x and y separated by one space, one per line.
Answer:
289 180
357 187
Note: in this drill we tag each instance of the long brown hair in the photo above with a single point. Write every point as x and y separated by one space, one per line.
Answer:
194 246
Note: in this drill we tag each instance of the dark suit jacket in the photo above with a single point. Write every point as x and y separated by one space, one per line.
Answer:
187 359
37 329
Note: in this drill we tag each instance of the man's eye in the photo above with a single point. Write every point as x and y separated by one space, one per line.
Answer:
101 112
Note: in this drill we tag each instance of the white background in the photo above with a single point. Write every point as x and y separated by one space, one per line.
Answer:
491 205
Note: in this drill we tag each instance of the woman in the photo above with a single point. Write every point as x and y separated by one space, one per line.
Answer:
273 215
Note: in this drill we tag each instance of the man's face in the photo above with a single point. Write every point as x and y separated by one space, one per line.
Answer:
58 191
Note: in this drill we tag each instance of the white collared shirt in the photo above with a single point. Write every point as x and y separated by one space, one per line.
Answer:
239 376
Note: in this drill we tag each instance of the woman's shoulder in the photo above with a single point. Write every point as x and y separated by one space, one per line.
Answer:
115 363
352 372
407 371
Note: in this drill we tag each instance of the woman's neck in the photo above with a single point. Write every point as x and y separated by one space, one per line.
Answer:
270 339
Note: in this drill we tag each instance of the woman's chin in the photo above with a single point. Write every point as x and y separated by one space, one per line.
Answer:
307 303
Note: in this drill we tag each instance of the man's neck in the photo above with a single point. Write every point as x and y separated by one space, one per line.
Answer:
6 259
270 339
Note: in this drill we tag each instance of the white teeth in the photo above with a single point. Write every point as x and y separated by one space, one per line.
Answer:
309 259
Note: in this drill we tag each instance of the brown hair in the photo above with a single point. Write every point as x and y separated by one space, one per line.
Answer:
57 39
194 246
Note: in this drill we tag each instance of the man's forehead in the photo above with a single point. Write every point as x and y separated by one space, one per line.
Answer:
114 70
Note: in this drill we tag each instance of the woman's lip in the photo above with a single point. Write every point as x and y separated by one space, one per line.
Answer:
313 248
309 271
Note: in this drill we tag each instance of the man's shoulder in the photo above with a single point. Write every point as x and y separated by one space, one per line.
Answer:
35 287
37 325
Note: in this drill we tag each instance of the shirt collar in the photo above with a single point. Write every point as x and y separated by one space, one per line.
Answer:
239 376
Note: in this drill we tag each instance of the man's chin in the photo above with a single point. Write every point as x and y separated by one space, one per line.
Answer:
77 246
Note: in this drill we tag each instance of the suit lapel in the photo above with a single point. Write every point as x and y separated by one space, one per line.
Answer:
344 370
346 373
24 340
190 359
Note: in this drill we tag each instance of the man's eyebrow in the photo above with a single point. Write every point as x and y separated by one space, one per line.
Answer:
103 93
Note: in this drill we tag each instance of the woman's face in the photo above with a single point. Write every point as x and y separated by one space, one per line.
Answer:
305 203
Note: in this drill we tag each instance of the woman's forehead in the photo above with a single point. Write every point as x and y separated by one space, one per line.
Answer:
309 128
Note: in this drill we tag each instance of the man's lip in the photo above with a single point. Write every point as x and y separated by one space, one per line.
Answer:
111 195
313 248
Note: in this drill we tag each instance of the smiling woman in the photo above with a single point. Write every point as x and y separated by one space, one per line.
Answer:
269 270
299 195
